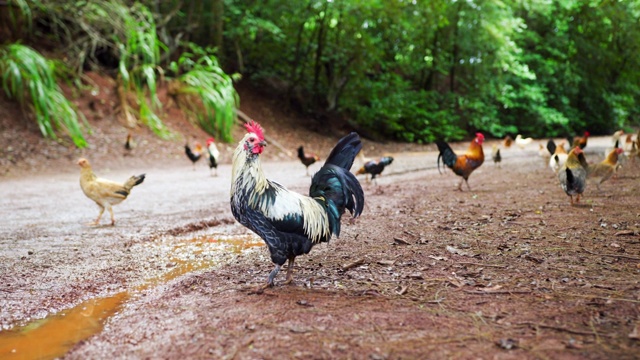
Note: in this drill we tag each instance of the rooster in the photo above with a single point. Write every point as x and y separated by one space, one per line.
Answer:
195 154
615 138
523 142
603 170
307 159
558 155
462 165
628 142
580 141
508 140
573 175
544 153
214 154
495 155
290 223
104 192
128 145
375 167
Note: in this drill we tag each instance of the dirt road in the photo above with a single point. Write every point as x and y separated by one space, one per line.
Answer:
508 270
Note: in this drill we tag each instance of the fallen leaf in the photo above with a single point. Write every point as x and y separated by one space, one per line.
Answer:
403 290
386 262
507 344
493 288
401 241
635 334
457 251
303 303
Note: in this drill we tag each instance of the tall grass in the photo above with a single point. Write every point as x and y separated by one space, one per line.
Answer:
127 32
29 78
201 78
139 68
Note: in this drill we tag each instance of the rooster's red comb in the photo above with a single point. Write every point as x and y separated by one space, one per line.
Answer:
254 127
480 136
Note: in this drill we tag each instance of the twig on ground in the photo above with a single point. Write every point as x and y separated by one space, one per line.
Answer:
558 328
352 264
497 292
613 255
401 241
478 264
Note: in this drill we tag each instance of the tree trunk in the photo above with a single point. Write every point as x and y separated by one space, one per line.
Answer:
319 50
455 51
217 30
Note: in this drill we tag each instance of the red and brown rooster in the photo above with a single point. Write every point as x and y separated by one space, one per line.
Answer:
307 159
462 165
290 223
195 154
580 141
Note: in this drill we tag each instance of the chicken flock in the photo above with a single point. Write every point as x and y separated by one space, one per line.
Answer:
291 224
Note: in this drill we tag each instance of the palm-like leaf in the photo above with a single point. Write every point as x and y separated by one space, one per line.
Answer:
29 79
204 80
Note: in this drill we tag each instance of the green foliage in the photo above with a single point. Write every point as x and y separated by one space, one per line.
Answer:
29 78
139 58
200 75
411 70
420 70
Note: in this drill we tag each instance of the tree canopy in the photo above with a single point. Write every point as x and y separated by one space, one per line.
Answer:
413 70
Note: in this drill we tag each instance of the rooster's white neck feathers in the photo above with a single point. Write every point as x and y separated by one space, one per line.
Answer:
248 179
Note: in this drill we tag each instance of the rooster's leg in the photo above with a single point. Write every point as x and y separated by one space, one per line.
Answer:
272 276
269 283
571 199
578 198
113 220
460 185
466 182
97 221
290 271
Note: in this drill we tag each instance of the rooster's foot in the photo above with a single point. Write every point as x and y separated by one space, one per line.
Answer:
262 288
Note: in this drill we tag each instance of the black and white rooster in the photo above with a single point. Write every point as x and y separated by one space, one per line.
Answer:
291 223
214 154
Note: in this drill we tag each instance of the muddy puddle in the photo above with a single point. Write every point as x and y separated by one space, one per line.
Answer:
54 335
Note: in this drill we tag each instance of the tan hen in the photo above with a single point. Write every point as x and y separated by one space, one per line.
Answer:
105 193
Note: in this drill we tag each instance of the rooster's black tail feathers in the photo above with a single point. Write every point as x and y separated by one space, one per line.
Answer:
345 151
449 158
335 186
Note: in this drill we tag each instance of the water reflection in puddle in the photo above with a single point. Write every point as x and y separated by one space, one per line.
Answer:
55 335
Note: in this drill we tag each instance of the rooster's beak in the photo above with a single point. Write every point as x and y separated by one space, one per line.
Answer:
262 143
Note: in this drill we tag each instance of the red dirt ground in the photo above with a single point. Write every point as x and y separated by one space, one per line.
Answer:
507 271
